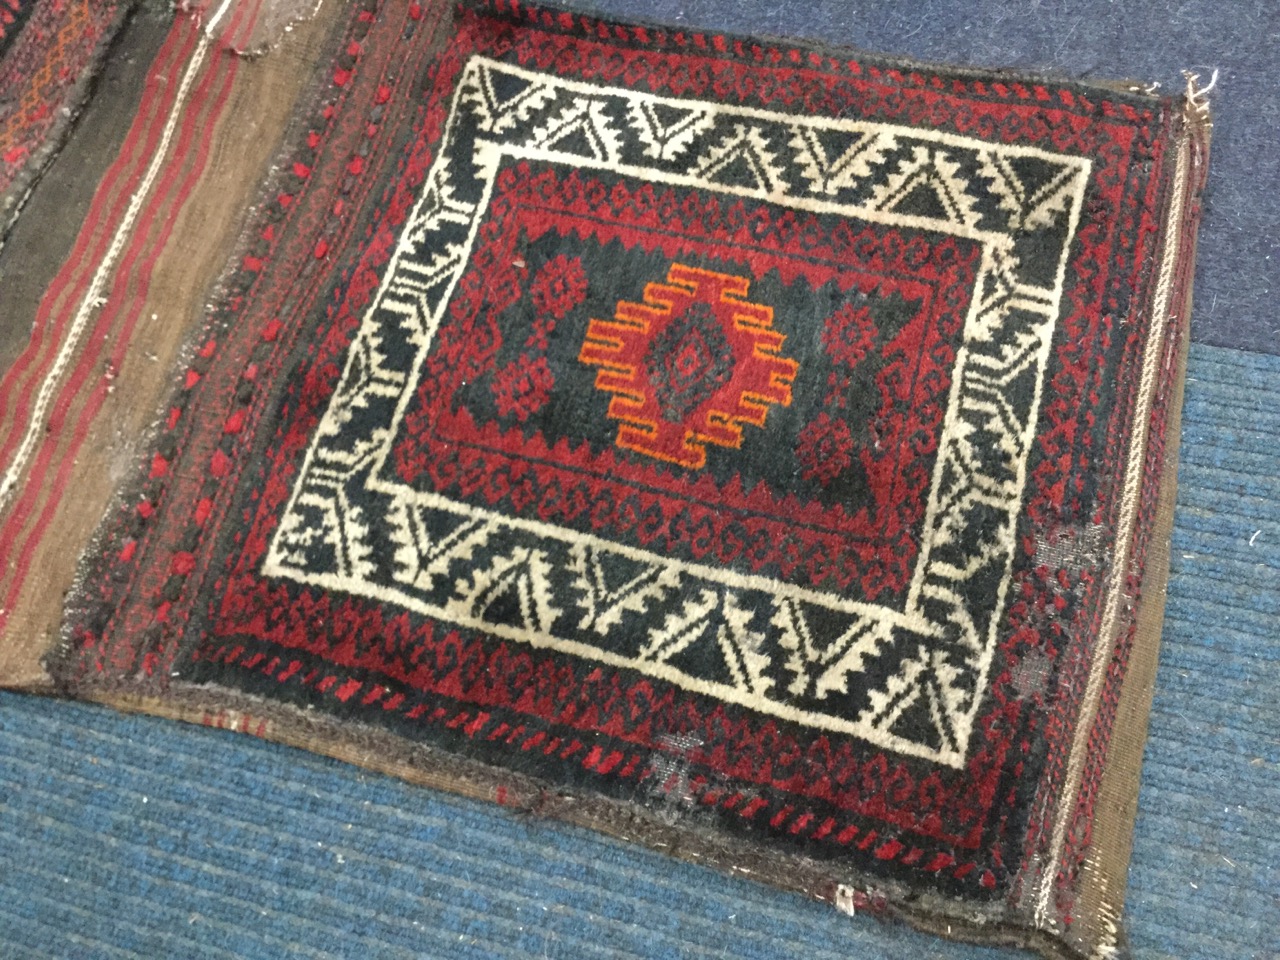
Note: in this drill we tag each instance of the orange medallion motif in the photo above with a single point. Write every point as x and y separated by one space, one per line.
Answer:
689 366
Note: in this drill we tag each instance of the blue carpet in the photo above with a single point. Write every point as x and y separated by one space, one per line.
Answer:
134 837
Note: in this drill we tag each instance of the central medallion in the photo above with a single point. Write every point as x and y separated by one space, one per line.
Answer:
689 366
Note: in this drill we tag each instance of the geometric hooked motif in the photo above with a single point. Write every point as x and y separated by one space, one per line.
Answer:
749 441
689 366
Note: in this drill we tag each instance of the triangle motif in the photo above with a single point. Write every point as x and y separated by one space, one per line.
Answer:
743 158
609 586
823 655
928 184
835 160
714 629
502 100
422 554
513 590
922 703
585 129
1032 191
666 131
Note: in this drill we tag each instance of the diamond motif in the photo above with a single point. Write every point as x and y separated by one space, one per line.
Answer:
689 366
690 360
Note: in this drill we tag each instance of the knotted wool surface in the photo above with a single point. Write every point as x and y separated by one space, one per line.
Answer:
746 448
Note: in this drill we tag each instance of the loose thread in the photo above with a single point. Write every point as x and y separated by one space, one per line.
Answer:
1197 96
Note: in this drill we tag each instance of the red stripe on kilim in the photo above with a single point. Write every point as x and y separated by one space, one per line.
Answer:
170 195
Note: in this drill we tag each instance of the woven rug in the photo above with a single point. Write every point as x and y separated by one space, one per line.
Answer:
49 52
745 448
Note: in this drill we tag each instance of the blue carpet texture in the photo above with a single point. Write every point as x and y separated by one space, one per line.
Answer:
135 837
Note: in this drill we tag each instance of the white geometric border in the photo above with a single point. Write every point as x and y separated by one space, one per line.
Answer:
500 113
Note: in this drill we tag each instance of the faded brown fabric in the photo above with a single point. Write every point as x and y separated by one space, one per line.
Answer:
245 139
41 238
1106 872
272 20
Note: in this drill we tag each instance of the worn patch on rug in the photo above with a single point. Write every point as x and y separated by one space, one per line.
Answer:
739 439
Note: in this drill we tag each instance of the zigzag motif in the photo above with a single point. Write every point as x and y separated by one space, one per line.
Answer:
784 155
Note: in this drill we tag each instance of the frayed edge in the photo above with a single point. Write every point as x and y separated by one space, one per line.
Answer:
270 22
1198 97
